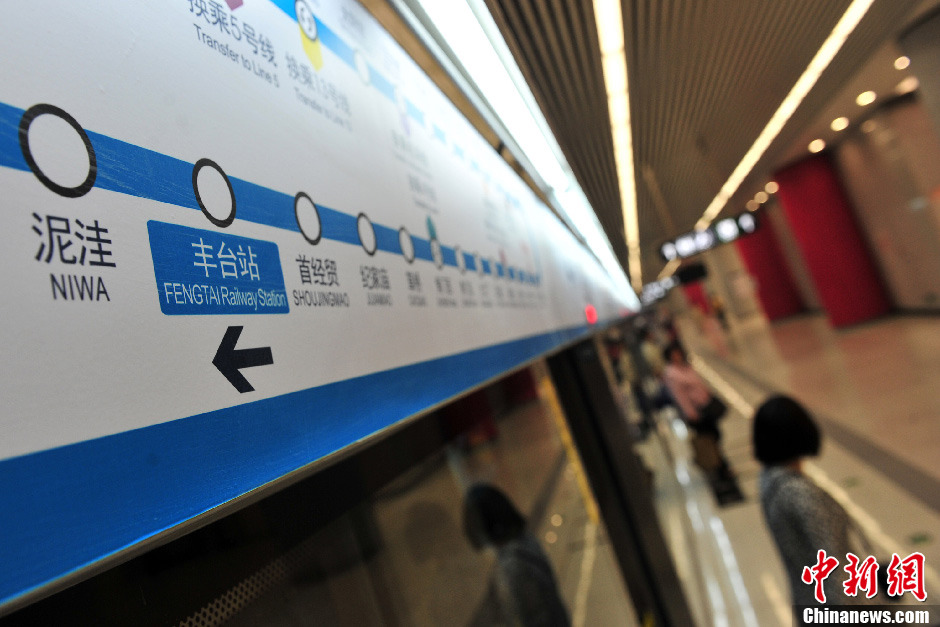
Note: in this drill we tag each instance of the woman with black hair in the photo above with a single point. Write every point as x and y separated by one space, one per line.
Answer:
524 583
802 517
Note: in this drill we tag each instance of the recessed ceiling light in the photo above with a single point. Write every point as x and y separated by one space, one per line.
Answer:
901 63
752 205
865 98
771 187
840 124
908 85
869 126
816 145
761 197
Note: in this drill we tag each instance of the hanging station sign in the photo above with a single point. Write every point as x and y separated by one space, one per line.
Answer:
723 231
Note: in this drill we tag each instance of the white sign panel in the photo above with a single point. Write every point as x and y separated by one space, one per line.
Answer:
239 236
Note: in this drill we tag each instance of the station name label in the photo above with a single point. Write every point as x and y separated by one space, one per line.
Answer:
205 272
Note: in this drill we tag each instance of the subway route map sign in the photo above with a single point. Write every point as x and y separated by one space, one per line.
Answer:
238 238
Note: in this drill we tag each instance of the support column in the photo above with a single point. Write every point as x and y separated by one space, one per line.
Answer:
821 217
764 259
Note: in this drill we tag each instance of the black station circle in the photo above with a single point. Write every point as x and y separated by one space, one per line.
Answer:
297 217
69 192
404 231
361 243
215 166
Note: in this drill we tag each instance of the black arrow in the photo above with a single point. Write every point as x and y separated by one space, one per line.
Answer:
229 361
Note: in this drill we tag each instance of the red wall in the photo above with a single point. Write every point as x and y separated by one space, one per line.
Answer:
764 260
823 223
695 293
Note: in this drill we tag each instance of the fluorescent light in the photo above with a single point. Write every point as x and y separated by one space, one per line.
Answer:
816 145
614 62
619 110
669 269
615 73
865 98
901 63
847 23
609 26
840 124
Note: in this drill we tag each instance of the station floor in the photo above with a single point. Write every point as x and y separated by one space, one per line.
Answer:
873 389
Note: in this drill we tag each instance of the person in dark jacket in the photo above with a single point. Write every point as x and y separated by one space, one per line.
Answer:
524 582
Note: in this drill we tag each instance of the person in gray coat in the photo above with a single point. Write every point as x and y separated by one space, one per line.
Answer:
802 517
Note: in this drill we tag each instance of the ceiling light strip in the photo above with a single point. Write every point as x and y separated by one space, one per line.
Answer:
827 52
671 267
610 34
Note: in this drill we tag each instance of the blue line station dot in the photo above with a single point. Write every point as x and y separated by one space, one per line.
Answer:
367 236
308 218
52 122
407 245
214 193
437 253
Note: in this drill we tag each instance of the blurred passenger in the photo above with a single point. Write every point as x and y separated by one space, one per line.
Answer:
802 517
668 325
699 408
718 307
651 354
623 370
637 374
525 584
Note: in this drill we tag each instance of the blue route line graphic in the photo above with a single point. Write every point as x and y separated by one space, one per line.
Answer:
166 179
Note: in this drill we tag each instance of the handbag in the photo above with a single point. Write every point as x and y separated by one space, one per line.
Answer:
714 410
705 452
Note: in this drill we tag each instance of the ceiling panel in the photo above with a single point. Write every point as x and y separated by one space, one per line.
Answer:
705 77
